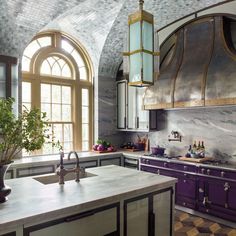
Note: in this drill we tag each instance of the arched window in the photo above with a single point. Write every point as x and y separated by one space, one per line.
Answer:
57 78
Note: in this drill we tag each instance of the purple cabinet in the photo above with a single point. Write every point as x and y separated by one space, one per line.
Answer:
206 189
217 197
186 193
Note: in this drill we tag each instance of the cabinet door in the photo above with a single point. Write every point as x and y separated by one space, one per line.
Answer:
90 224
111 161
142 116
131 108
162 209
230 187
121 105
217 196
136 217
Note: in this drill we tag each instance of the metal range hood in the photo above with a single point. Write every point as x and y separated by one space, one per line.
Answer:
198 66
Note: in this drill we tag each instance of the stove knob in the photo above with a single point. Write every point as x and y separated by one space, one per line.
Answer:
165 164
208 171
202 170
185 167
147 161
222 174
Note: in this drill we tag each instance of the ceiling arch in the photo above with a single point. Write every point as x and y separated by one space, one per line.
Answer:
99 25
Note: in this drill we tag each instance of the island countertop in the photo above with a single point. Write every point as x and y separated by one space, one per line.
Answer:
31 201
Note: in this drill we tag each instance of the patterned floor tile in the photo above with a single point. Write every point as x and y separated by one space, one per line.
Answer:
190 225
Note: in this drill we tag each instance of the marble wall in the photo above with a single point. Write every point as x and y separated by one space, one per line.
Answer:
215 126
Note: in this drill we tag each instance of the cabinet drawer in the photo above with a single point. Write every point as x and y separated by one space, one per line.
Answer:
217 172
31 171
183 167
155 162
186 202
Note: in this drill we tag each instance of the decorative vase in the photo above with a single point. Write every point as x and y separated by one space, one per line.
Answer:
4 189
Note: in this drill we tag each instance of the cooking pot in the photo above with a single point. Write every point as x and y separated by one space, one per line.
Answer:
157 150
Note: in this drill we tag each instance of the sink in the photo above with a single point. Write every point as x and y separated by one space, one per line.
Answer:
53 178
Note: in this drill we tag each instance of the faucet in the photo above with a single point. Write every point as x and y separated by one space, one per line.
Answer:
61 171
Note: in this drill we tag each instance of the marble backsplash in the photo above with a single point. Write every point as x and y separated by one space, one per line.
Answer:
216 126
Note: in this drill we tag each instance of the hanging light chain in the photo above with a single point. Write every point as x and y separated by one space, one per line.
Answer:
141 2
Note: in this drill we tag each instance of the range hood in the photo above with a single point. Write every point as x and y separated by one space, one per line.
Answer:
198 66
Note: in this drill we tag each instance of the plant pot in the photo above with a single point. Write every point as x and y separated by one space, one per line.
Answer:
158 151
4 189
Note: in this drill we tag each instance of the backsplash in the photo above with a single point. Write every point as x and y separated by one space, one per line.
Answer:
215 126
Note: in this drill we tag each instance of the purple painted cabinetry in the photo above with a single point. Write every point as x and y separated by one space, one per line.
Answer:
208 190
217 197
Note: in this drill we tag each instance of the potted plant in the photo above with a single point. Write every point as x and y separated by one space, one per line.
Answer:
27 131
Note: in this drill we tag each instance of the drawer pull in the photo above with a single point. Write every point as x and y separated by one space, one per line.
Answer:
226 186
201 190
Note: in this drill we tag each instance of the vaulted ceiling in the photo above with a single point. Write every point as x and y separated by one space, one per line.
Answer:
99 25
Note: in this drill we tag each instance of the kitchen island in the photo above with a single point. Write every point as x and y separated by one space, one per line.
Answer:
113 201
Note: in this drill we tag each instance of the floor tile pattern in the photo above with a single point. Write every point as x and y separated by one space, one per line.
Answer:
189 225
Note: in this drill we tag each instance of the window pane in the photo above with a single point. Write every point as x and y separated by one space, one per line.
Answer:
45 93
85 146
85 97
26 92
85 115
78 58
46 108
66 71
67 46
66 95
47 148
66 112
67 146
56 114
56 70
52 60
45 68
85 132
45 41
68 136
56 94
57 131
25 64
83 73
31 49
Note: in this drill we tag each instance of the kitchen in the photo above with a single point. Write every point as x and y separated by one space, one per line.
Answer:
213 125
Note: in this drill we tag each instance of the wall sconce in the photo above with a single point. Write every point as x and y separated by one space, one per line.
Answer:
9 79
141 48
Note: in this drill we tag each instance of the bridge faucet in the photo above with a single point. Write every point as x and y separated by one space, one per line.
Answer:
61 171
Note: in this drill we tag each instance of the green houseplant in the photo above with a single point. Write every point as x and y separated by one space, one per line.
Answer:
27 131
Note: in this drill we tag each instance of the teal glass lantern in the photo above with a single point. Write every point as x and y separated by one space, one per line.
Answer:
141 48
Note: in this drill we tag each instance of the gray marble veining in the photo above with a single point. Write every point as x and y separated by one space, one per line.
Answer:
215 126
31 201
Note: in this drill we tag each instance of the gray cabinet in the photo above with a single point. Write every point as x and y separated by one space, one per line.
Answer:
130 113
105 161
36 170
100 221
150 214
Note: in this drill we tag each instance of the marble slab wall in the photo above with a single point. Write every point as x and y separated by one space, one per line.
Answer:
215 126
106 111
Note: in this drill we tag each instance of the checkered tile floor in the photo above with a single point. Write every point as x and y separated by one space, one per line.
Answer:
189 225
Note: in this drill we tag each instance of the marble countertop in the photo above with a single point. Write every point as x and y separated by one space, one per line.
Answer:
31 202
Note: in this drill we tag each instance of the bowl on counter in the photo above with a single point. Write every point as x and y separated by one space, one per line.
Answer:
157 151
